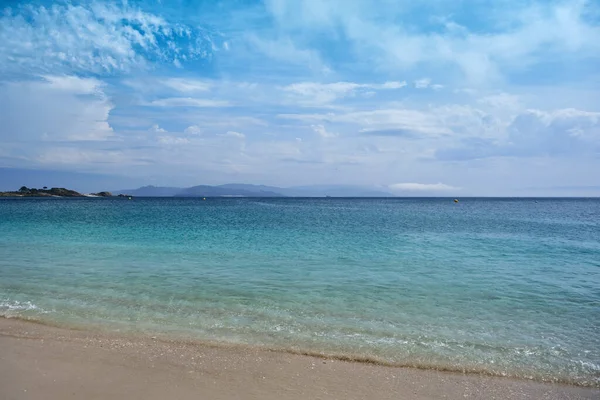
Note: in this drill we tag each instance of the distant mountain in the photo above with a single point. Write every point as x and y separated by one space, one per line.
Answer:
335 191
151 191
227 191
247 190
251 188
313 190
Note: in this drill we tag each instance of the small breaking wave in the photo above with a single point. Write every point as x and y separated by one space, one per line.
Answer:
587 374
14 308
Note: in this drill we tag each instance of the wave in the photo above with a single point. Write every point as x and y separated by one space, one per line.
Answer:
8 307
591 379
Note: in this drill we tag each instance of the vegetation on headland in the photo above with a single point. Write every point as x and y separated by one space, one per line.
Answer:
24 191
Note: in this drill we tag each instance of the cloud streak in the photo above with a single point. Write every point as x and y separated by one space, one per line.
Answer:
315 94
189 102
422 187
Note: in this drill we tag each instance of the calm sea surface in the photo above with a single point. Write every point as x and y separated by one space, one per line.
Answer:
501 286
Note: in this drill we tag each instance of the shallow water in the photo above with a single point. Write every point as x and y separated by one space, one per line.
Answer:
501 286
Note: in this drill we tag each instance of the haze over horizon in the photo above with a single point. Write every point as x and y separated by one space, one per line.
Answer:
433 98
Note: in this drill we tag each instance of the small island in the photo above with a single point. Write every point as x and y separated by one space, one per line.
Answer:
101 194
24 191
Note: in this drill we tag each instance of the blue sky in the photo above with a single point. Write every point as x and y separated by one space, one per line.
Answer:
427 98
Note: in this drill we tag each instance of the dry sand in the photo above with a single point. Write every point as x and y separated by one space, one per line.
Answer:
41 362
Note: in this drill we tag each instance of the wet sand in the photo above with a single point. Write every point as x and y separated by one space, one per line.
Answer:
42 362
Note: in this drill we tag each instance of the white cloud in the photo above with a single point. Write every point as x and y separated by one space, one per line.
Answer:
233 134
501 101
82 157
558 132
156 129
55 108
187 85
425 83
422 187
280 149
173 140
391 85
94 37
535 133
233 121
422 83
312 88
74 84
386 122
314 93
193 130
285 50
520 35
321 131
189 102
467 120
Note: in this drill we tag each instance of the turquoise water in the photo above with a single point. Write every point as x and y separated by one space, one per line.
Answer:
501 286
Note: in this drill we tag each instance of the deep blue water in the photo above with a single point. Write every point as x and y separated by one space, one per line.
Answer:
502 286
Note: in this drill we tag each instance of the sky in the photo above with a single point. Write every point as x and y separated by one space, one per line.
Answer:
432 97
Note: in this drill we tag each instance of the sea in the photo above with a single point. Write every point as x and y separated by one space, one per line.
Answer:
507 287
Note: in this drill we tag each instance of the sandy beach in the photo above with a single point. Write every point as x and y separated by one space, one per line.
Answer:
42 362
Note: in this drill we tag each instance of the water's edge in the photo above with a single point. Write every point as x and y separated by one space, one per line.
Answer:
351 358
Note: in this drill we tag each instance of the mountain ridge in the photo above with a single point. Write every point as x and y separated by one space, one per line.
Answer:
250 190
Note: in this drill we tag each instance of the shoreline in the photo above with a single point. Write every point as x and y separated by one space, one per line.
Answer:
31 354
182 339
